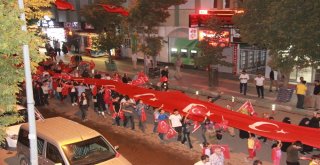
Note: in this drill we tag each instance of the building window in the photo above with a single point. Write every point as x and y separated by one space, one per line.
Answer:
226 4
215 3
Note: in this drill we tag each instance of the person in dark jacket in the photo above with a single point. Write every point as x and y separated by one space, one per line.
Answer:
83 105
305 148
315 120
285 145
186 126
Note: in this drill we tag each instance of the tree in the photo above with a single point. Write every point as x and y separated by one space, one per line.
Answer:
144 17
36 10
110 26
11 60
210 52
289 29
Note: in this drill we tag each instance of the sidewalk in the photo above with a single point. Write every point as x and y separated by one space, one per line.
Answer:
197 80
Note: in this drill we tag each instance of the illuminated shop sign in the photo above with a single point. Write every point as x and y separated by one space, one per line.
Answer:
215 39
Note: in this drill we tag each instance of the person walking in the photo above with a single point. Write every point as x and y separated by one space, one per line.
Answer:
175 122
316 95
301 90
244 77
178 65
128 108
186 124
162 125
293 153
217 158
273 80
84 105
142 117
156 114
276 153
260 85
134 60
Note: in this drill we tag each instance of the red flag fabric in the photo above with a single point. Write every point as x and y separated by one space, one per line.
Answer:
92 65
268 128
143 115
171 133
247 109
196 126
163 127
115 9
198 110
225 149
63 5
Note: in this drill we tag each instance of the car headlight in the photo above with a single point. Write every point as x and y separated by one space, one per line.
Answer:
13 137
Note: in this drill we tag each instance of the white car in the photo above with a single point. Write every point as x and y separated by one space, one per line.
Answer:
12 131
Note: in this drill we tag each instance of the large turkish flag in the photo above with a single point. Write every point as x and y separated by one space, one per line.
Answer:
177 100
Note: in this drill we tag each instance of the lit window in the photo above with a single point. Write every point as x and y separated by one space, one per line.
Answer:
174 49
184 50
193 51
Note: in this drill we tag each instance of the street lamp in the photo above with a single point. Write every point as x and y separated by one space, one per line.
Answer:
30 101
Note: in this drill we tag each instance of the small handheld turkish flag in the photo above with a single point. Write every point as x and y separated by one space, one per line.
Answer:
171 133
163 127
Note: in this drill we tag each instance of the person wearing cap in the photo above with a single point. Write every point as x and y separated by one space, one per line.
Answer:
244 77
165 72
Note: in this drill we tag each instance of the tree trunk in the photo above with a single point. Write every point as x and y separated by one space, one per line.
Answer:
286 77
154 61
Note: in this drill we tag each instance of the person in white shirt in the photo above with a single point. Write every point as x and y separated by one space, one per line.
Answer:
175 122
204 160
259 85
244 77
217 158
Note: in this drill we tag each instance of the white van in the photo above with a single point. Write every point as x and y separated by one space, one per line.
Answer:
13 130
65 142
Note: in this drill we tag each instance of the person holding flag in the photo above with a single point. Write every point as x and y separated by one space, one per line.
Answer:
163 126
140 109
175 122
186 124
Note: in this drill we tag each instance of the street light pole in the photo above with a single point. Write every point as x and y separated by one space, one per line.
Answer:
30 101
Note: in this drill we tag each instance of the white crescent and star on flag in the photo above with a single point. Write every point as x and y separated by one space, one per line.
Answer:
255 126
154 98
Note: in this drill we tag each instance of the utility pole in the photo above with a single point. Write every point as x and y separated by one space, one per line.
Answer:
30 101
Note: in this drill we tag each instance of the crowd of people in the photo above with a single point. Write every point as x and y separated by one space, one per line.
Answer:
126 112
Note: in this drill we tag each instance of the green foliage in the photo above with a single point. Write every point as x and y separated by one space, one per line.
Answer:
37 9
211 55
154 46
11 59
106 41
145 16
290 29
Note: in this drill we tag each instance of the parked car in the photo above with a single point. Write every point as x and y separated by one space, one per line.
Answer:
65 142
13 129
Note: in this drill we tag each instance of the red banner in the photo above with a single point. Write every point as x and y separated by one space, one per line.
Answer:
63 5
115 9
260 126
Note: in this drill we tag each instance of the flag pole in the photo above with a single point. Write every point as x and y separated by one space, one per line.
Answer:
30 101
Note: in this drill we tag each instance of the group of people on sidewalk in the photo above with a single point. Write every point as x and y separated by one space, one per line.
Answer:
259 82
127 111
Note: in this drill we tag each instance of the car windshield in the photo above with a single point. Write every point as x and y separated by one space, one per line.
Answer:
90 151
